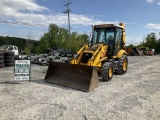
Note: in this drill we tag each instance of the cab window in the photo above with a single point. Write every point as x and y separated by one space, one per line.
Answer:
103 35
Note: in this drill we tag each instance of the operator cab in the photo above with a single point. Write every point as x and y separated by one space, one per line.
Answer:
110 35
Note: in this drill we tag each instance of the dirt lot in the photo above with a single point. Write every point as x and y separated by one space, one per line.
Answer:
133 96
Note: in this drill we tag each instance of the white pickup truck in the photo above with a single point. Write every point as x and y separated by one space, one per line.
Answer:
10 48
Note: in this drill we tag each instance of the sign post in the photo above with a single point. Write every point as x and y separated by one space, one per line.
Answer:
22 70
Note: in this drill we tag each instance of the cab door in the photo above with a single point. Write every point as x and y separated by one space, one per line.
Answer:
118 40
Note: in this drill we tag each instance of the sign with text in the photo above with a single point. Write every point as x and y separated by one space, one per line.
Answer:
22 69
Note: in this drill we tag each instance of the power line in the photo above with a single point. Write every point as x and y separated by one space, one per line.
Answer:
23 23
80 30
38 25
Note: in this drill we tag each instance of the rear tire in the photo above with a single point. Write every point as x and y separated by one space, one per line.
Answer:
9 64
1 61
9 53
9 58
1 55
2 65
122 66
107 71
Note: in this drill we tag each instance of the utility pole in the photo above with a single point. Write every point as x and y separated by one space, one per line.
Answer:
67 11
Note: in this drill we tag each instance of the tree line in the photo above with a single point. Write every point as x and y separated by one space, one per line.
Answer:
54 37
151 41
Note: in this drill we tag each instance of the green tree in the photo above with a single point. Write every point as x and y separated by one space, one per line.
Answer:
55 37
131 45
77 40
59 37
151 40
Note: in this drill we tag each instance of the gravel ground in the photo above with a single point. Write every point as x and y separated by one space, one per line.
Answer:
133 96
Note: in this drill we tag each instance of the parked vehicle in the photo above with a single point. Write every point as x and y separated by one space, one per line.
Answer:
105 55
23 55
151 51
10 48
61 52
145 50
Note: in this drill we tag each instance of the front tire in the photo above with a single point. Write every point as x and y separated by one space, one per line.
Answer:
107 71
122 66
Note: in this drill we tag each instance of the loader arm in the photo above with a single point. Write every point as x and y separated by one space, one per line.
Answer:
98 56
90 55
77 56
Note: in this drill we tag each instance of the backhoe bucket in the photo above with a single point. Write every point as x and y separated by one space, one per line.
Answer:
80 77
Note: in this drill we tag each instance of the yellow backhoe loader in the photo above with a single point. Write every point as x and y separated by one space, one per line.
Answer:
104 56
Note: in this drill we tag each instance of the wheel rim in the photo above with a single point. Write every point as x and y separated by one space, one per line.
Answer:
110 72
124 65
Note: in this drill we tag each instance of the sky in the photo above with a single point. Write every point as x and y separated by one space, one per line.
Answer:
30 18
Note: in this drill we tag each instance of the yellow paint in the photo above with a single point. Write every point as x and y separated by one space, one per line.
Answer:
99 55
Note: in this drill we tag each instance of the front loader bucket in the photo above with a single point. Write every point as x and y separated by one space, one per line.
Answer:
80 77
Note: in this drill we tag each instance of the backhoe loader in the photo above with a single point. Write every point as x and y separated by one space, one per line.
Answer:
104 56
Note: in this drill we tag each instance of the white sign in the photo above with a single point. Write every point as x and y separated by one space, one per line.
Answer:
22 69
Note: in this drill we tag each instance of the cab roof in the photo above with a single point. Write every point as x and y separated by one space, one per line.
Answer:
121 25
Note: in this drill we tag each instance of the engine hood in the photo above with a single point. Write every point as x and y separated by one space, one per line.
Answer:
93 48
